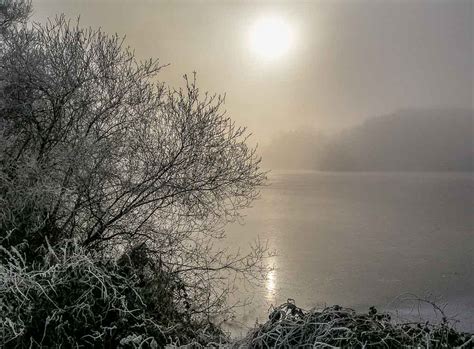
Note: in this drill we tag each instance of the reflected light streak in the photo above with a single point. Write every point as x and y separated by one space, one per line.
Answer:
270 285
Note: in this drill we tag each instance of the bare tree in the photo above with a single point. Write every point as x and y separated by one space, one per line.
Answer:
95 149
13 12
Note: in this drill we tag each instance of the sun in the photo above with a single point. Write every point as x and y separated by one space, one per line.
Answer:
271 38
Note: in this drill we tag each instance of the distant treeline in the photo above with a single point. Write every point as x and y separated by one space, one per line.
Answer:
408 140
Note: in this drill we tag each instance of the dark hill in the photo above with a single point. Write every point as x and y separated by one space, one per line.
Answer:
410 140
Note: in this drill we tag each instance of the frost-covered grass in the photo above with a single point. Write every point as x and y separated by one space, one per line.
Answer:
335 327
72 299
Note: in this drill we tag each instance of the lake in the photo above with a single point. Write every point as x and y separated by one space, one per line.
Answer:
362 239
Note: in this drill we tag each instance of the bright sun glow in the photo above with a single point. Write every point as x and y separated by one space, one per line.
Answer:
271 38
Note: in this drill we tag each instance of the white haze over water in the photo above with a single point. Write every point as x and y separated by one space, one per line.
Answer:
362 239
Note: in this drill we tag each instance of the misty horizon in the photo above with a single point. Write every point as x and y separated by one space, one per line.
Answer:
406 140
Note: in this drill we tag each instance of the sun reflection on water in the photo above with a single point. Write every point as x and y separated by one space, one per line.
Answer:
271 285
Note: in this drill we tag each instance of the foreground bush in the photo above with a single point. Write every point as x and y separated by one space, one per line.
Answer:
335 327
72 300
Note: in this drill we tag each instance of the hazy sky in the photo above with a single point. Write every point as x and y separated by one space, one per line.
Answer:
338 62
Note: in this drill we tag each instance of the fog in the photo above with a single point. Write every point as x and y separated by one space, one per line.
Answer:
407 140
350 60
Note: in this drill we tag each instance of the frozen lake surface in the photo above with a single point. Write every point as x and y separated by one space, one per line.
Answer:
362 239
